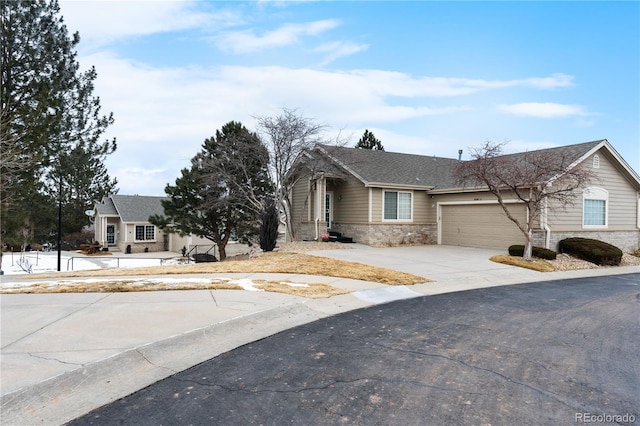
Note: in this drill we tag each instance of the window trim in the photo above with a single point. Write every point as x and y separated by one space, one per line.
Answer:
328 211
145 228
596 194
398 192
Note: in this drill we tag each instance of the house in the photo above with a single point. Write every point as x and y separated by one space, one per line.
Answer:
122 221
383 198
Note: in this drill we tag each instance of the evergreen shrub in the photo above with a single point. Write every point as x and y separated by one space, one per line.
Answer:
539 252
594 251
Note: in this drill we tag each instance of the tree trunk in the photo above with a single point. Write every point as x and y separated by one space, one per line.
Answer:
289 219
528 246
222 250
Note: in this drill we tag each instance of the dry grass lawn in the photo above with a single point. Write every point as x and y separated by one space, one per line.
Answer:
535 264
274 262
311 291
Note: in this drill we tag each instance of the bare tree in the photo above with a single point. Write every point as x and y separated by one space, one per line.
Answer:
287 136
539 179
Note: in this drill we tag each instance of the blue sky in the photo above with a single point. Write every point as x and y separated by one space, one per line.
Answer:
425 77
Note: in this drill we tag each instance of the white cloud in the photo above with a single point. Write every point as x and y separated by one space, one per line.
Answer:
403 84
543 110
552 82
107 21
247 41
162 115
339 49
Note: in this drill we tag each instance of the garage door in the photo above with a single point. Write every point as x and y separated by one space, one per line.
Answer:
481 225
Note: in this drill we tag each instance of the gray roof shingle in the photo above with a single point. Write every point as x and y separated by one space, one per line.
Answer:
106 207
392 168
377 168
136 208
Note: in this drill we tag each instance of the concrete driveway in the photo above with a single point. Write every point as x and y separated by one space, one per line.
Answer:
437 262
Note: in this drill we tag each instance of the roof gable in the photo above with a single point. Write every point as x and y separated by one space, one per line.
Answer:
621 165
106 207
136 208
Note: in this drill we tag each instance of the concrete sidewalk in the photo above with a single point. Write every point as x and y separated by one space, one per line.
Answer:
66 354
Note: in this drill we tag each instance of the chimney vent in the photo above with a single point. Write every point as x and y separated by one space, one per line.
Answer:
459 154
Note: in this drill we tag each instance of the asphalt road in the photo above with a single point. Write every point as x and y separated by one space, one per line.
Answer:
559 352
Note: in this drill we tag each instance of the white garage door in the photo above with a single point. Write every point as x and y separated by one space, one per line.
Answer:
481 225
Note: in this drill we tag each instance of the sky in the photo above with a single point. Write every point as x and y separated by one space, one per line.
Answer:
425 77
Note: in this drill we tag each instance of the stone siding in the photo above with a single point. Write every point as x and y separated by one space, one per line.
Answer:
385 235
139 246
306 231
626 241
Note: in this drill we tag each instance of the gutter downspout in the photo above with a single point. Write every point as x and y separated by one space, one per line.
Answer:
545 225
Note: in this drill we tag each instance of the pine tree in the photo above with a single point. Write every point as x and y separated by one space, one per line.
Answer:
50 123
369 141
224 192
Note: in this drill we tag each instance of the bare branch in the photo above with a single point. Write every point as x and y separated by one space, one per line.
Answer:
539 179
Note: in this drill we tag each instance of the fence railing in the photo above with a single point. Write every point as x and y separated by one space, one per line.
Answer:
28 260
125 260
200 249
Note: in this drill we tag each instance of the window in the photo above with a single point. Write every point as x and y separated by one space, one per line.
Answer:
596 161
397 205
595 208
145 232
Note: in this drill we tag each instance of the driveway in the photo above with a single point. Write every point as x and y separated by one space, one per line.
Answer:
559 352
437 262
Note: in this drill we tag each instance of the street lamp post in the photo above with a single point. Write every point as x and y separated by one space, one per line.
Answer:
60 223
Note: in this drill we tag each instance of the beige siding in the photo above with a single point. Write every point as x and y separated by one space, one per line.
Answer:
177 242
301 199
623 199
350 201
376 205
421 203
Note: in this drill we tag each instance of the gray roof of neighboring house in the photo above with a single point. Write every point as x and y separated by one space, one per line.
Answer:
376 168
131 208
106 207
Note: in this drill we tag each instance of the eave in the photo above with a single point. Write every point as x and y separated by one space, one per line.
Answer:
397 186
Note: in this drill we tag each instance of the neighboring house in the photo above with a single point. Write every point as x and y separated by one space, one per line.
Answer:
383 198
122 221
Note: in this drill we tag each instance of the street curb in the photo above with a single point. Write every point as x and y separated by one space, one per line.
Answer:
72 394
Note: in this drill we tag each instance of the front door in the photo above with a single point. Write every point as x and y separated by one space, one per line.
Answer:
328 209
111 235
